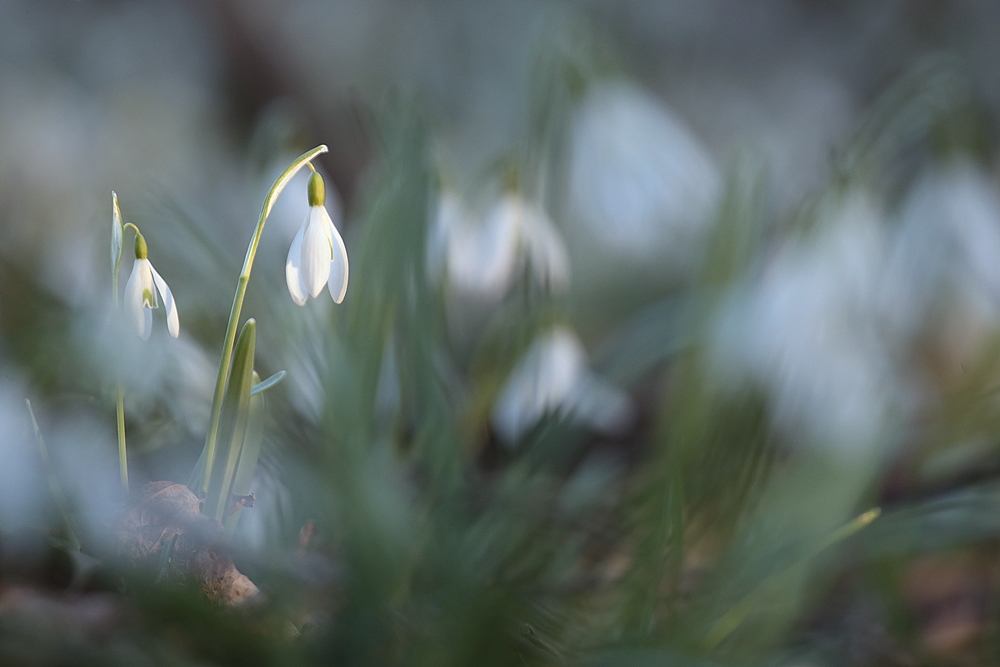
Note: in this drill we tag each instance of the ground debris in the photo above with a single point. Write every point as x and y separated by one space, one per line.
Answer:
167 515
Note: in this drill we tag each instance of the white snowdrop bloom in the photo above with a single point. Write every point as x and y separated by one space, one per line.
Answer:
486 257
950 230
809 330
140 294
944 263
317 256
640 182
553 378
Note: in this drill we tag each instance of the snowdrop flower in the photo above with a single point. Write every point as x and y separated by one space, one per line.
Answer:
140 296
485 257
553 378
318 256
942 270
810 330
640 182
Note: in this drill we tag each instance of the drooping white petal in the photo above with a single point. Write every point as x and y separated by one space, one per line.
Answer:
316 251
293 273
482 258
553 378
600 405
147 323
148 293
339 266
448 214
543 382
140 316
545 249
640 182
173 321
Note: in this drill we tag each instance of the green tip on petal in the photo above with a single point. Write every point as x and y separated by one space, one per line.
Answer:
317 190
141 251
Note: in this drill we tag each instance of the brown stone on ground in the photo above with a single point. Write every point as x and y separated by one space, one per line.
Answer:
167 510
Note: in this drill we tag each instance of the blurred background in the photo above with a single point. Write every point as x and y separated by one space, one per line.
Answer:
672 334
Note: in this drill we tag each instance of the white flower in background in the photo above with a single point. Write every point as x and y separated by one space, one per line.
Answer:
943 267
810 331
640 182
317 256
485 257
949 230
553 378
140 294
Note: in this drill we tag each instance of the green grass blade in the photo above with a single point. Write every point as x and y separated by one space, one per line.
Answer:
742 609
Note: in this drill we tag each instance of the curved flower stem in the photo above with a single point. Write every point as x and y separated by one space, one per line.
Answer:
122 458
234 315
120 402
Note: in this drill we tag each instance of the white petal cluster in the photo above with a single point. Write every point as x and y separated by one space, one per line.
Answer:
485 257
140 299
553 378
317 258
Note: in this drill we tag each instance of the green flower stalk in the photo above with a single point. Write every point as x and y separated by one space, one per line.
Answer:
117 244
212 436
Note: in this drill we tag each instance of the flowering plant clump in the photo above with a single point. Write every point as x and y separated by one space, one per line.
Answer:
317 257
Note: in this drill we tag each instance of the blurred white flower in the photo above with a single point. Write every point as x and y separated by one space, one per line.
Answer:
553 378
640 181
949 231
943 268
317 256
140 295
485 257
810 331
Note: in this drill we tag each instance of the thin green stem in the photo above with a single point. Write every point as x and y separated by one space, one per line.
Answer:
234 315
120 399
122 458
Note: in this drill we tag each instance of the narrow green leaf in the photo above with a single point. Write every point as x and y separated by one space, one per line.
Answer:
742 609
268 383
250 451
233 423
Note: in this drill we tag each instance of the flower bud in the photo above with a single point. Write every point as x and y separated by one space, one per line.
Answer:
117 235
317 190
141 251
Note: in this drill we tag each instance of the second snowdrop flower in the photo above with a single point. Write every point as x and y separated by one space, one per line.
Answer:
318 256
485 257
140 294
